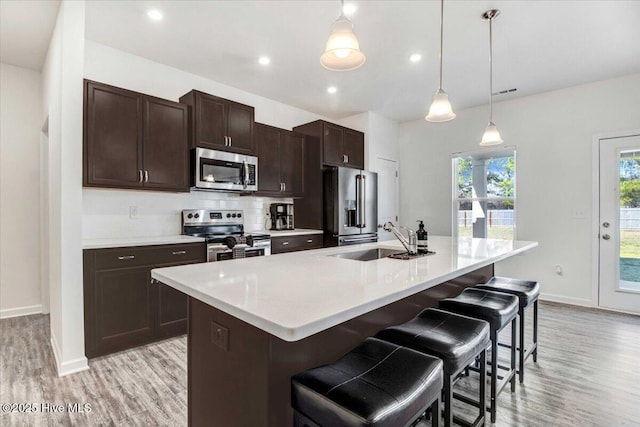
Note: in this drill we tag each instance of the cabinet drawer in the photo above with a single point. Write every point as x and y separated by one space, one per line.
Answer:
281 245
148 255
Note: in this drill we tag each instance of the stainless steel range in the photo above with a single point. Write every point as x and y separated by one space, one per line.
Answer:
224 234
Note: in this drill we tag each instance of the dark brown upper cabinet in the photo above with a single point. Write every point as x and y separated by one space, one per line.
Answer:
280 162
220 124
341 146
135 141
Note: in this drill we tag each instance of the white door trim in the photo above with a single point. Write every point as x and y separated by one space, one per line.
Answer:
595 206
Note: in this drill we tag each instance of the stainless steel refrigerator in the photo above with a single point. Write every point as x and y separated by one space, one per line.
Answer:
350 206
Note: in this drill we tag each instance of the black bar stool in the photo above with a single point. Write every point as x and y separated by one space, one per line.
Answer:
458 341
499 310
527 292
377 384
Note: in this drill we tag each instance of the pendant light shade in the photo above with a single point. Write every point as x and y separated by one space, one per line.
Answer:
491 135
440 110
342 52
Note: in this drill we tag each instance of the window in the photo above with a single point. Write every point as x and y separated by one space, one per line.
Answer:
484 194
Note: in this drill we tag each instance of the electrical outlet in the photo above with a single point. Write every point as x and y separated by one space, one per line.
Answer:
133 212
559 270
220 336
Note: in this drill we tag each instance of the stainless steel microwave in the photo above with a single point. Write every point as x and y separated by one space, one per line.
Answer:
222 171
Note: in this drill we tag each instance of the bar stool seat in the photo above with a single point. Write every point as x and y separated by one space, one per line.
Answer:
455 339
376 384
500 310
527 292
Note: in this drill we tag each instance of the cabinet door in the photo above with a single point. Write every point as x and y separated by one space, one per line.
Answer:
292 159
210 122
119 309
354 148
165 148
240 128
172 312
112 137
332 145
269 176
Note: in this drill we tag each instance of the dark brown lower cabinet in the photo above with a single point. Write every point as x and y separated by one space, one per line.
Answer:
300 242
122 308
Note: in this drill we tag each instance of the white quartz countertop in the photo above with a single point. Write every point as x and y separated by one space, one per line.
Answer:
119 242
295 232
298 294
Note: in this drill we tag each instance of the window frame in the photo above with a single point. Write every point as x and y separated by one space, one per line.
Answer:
489 153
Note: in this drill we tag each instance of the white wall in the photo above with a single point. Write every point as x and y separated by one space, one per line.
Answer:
553 134
20 121
62 104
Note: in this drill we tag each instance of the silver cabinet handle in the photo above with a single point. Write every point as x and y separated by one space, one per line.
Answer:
284 186
226 141
146 176
345 158
310 241
230 141
285 243
126 257
606 237
140 175
179 252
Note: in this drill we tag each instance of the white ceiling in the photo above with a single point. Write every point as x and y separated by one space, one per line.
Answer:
25 31
538 46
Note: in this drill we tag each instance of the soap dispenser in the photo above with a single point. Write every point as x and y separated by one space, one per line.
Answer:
423 238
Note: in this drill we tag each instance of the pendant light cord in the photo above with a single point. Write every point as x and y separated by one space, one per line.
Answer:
441 37
490 69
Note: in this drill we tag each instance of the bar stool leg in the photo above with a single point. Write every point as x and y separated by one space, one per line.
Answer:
513 354
483 385
435 413
494 374
535 330
522 350
448 400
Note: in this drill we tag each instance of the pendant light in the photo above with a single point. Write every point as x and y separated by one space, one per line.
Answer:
491 135
343 50
440 110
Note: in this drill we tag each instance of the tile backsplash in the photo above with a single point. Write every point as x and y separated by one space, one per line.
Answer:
107 213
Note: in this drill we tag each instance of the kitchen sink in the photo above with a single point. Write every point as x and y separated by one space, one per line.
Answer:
368 254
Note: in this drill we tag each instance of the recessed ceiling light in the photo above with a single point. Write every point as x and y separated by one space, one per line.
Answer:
416 57
264 60
154 14
332 89
349 9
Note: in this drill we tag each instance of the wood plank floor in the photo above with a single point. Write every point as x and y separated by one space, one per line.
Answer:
588 374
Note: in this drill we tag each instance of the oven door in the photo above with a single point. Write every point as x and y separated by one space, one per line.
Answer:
218 252
217 170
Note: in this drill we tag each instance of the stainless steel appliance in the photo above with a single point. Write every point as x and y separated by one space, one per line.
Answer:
281 216
223 231
219 170
350 206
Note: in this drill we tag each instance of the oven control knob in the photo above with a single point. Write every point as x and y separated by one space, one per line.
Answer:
190 216
239 215
196 216
233 215
228 215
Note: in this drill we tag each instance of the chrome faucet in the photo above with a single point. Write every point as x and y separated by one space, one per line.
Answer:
410 244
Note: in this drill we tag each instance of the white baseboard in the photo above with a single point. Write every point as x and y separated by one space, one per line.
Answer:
69 367
567 300
20 311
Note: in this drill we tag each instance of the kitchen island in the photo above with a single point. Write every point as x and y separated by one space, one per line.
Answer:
255 322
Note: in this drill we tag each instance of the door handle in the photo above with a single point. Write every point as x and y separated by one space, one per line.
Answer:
146 176
230 142
345 158
126 257
284 186
140 175
606 237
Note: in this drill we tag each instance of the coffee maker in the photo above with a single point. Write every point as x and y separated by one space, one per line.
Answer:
281 216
